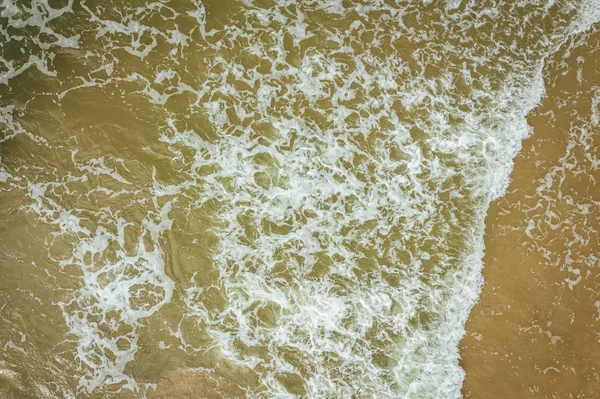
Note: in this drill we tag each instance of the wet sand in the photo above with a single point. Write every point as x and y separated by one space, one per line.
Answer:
535 330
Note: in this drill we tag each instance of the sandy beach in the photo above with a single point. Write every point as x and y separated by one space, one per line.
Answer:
535 330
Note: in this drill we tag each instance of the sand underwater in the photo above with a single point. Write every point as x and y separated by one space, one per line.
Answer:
299 199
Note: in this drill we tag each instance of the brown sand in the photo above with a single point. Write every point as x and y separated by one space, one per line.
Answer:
535 331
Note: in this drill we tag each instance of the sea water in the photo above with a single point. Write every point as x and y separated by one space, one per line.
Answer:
261 199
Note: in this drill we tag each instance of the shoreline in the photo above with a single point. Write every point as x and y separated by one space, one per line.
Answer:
532 332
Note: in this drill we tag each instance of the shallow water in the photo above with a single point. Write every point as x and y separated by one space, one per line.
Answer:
255 198
534 331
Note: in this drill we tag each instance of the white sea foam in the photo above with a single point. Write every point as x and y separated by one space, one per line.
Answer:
352 183
104 315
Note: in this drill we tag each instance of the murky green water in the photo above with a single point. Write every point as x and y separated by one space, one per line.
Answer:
252 198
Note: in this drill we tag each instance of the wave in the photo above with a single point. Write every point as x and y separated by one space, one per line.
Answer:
325 168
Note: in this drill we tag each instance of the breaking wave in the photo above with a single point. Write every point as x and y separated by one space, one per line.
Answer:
291 195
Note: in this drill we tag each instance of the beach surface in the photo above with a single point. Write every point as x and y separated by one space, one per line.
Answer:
535 330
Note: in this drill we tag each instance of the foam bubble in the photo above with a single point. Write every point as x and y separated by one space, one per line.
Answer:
346 168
